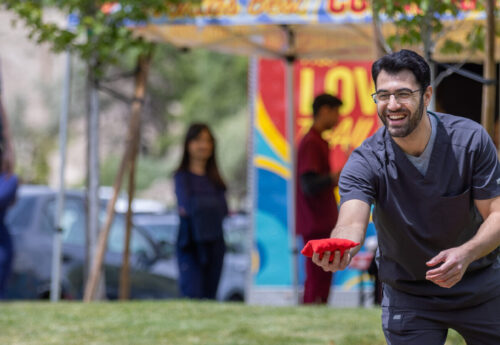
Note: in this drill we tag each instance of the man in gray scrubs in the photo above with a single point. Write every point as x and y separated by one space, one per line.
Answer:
434 181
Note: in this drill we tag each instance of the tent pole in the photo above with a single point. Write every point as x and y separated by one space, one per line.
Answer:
489 71
290 120
251 175
93 174
290 58
55 284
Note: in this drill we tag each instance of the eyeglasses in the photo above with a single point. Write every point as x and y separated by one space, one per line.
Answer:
401 95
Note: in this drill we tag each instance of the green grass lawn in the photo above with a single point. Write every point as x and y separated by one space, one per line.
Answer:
188 323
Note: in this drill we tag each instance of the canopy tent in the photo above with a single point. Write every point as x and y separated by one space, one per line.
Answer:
272 40
287 30
303 29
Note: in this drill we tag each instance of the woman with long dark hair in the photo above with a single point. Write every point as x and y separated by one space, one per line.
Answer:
202 207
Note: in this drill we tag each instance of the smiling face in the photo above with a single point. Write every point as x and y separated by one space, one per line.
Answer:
401 117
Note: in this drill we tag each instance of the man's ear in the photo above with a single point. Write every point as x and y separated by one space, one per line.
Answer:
427 95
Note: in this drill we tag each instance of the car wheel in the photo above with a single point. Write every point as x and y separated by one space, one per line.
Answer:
235 297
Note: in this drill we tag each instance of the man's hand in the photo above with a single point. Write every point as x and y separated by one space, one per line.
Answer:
351 224
337 264
454 263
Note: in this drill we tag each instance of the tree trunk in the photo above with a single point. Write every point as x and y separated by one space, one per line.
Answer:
92 171
141 76
489 71
428 50
381 46
90 288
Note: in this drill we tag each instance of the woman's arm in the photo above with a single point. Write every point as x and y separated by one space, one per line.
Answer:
8 158
8 188
181 192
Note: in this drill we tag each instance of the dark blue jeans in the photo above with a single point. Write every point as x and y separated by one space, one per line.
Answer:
6 256
200 268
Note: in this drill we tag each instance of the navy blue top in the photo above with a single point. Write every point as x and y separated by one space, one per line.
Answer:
8 188
204 203
417 216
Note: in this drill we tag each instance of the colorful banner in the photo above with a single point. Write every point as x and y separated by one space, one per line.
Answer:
272 171
245 12
340 29
350 81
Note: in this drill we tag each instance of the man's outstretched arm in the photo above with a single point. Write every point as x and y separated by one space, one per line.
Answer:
351 224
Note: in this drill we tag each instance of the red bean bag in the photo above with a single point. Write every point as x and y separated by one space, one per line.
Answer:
327 245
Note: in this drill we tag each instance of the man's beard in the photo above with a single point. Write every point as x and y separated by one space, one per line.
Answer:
412 123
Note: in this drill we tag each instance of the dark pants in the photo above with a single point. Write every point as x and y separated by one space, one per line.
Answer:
200 268
373 271
318 282
477 325
6 256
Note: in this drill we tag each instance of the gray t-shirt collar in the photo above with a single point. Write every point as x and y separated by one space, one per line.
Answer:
422 162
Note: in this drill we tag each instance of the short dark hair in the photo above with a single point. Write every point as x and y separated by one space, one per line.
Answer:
404 60
325 99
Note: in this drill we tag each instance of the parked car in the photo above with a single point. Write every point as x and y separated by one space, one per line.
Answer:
31 223
163 228
153 264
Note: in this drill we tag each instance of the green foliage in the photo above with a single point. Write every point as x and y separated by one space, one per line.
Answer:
210 85
476 38
194 86
232 157
40 168
183 86
202 86
148 170
416 20
98 37
188 86
32 162
452 47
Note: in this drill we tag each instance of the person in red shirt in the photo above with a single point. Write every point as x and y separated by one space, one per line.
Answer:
316 210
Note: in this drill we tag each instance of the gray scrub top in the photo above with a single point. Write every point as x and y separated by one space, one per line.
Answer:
417 216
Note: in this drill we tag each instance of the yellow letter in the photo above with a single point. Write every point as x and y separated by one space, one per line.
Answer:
341 135
343 75
306 91
361 130
364 87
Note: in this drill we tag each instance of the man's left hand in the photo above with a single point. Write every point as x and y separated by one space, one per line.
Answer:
454 263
